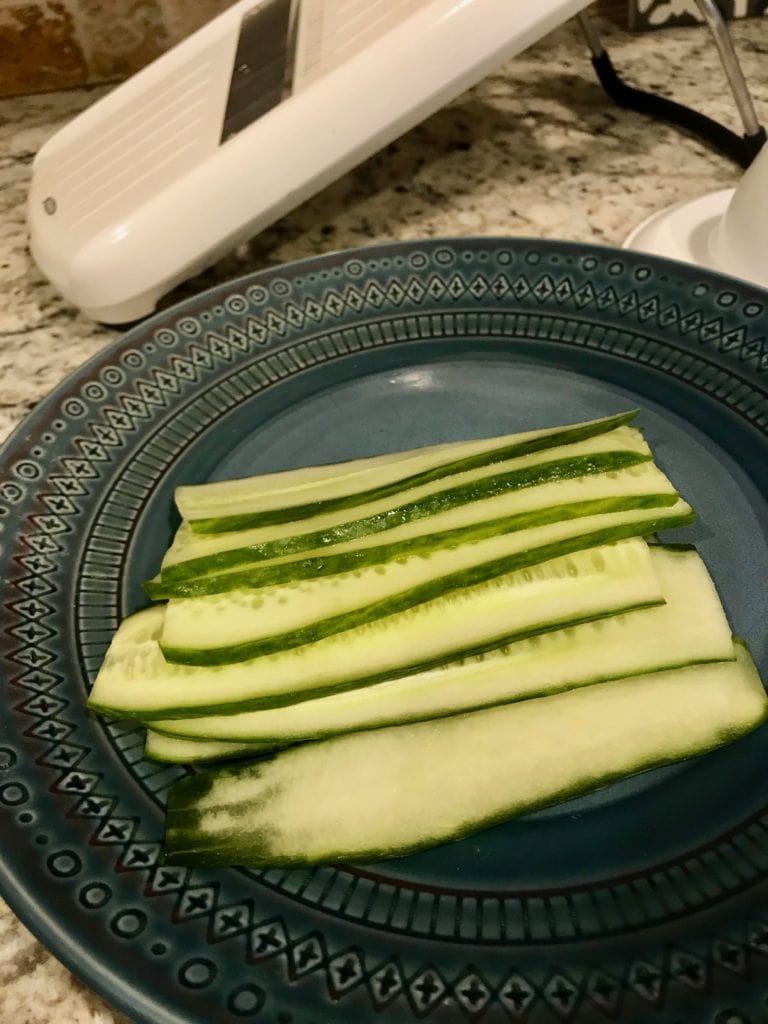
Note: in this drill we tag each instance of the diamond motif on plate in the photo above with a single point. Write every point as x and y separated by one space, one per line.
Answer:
648 309
691 321
268 939
689 969
276 323
754 349
140 857
670 315
732 339
395 293
585 295
543 288
414 289
604 991
345 971
167 879
457 286
426 990
629 302
34 586
31 632
479 286
730 956
607 297
517 994
51 730
64 755
473 993
50 523
436 286
333 303
199 356
386 983
217 345
231 920
94 806
562 995
31 608
59 503
500 285
43 704
646 980
313 310
307 955
521 287
183 368
69 485
77 782
195 901
138 409
119 420
712 330
116 830
105 436
295 316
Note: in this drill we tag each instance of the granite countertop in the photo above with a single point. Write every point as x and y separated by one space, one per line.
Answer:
535 149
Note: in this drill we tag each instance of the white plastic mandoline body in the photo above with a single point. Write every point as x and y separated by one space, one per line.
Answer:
139 192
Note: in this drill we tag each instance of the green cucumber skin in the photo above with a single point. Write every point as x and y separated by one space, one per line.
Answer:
386 723
181 819
579 432
418 595
439 501
282 700
314 565
468 653
233 755
185 844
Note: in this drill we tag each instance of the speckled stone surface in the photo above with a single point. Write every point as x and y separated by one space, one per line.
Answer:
536 149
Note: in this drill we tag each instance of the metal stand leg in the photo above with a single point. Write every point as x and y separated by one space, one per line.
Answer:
741 149
719 29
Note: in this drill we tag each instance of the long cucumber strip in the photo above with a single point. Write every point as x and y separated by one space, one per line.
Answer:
393 791
189 550
136 681
244 624
349 557
689 628
177 750
300 494
458 524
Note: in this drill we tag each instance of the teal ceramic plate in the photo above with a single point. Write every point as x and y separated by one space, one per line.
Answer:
645 902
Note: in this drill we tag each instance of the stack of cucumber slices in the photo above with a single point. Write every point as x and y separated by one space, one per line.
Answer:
401 650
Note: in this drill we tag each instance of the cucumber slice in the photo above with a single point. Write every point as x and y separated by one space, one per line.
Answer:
193 554
690 628
177 750
245 624
136 681
393 791
303 493
411 541
642 485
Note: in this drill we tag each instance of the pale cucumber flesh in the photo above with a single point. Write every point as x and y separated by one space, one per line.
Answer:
689 628
642 486
192 553
177 750
136 680
245 624
393 791
302 494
